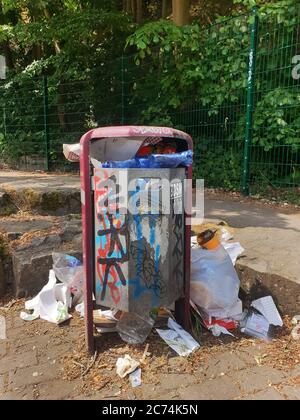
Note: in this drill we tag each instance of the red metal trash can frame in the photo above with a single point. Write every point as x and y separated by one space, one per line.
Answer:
87 203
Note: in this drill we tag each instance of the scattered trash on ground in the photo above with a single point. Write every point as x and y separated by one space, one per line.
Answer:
2 328
80 309
256 326
178 339
126 365
217 330
214 282
106 320
55 299
234 250
134 328
215 288
296 330
136 378
51 304
267 308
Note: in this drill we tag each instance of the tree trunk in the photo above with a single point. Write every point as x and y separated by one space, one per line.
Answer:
133 9
181 12
55 43
165 9
139 11
7 54
128 6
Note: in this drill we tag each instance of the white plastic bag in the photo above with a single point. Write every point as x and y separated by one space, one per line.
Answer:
51 304
214 282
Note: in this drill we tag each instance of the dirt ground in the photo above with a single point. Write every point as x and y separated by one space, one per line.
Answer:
40 360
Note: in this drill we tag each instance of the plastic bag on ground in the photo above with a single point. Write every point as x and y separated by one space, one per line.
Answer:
133 328
51 304
80 309
214 282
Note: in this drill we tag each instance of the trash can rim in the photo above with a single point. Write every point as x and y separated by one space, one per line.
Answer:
136 131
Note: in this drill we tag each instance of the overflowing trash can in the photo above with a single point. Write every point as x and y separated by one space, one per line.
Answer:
136 242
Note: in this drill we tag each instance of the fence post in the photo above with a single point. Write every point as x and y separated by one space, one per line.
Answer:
4 120
250 100
46 123
123 91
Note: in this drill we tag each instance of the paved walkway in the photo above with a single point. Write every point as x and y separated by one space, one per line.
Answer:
270 236
41 182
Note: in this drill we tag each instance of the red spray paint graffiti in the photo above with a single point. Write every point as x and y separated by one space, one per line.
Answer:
112 240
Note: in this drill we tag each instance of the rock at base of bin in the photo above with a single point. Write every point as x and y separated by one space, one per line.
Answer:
32 262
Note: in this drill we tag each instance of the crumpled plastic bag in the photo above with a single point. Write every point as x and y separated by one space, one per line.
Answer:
134 328
69 270
51 304
214 282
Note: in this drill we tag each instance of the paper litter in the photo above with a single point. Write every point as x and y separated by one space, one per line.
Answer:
257 326
126 365
178 339
267 308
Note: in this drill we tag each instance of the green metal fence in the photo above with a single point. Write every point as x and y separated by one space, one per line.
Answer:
244 115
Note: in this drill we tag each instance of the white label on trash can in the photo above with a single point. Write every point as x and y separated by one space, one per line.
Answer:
82 195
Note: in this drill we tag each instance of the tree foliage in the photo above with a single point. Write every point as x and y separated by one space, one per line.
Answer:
193 77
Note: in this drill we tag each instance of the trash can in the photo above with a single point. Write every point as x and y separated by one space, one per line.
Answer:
136 250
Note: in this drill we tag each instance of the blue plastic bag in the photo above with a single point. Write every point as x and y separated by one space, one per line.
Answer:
154 161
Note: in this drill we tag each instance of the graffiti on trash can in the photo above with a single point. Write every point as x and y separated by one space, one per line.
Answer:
177 251
112 241
147 257
147 266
